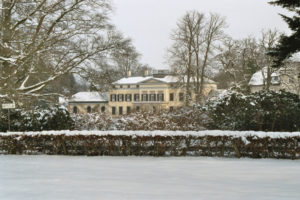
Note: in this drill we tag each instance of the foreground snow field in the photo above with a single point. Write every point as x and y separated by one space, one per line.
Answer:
64 177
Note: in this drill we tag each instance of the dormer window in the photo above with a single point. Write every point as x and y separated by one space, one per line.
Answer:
275 79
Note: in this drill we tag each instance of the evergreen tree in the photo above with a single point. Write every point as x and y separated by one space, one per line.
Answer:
288 45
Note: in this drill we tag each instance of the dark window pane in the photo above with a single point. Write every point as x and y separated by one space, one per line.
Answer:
181 97
75 110
171 96
89 109
128 110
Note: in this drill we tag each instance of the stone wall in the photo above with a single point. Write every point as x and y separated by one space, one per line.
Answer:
156 145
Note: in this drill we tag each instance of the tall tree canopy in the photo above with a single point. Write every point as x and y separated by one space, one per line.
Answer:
41 40
194 43
288 45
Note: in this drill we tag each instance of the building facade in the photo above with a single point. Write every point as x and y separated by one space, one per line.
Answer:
286 78
88 102
157 92
149 93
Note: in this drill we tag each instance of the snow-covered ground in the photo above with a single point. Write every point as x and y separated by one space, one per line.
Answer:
64 177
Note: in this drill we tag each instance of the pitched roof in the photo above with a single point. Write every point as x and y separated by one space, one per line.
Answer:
89 97
166 79
132 80
258 77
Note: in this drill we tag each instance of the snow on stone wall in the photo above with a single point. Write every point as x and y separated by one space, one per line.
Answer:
154 143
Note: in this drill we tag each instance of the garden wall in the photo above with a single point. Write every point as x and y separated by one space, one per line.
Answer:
154 143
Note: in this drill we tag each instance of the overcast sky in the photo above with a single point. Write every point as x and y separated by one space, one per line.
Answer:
149 22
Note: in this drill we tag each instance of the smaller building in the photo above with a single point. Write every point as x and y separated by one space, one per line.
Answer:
88 102
286 78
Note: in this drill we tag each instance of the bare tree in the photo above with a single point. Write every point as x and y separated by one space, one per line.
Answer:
194 42
126 59
41 40
242 58
213 32
181 53
269 40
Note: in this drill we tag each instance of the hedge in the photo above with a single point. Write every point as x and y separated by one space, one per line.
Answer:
175 144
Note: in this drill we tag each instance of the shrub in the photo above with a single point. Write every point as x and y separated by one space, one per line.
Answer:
50 118
184 119
261 111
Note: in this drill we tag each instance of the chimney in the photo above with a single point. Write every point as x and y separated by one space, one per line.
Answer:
146 72
129 73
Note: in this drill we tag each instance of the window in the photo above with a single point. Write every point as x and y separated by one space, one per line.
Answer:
160 97
275 79
128 86
171 108
89 109
103 109
120 110
121 97
152 97
128 97
137 108
137 86
171 96
113 97
181 97
121 86
190 96
136 97
144 97
113 110
128 109
75 110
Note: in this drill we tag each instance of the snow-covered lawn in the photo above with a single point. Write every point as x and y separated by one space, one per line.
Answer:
64 177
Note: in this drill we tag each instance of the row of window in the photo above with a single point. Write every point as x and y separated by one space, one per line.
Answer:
128 109
88 109
128 86
143 97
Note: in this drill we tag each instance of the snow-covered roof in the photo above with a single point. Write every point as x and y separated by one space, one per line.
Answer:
132 80
258 77
62 100
166 79
89 97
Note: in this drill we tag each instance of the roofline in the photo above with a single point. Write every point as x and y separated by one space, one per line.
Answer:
88 102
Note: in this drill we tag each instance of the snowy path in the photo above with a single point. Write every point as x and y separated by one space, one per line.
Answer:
62 177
